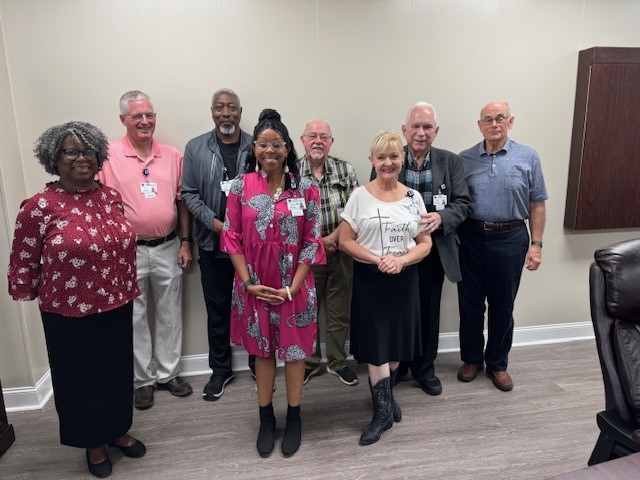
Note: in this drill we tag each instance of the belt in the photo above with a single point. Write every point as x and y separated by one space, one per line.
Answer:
154 242
495 226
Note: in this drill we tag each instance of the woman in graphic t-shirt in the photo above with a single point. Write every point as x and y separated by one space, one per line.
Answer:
382 233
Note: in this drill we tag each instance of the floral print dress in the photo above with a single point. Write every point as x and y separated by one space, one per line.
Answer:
274 236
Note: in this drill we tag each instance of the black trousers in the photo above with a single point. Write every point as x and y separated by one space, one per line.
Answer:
216 275
431 277
491 264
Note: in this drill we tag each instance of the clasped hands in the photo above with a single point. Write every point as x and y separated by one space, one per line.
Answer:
272 296
391 264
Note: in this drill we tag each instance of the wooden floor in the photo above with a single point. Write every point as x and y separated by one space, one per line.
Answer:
544 427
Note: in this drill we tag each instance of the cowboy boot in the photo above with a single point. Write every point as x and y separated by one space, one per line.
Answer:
382 417
395 408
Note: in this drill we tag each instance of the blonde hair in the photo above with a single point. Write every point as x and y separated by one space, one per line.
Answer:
385 140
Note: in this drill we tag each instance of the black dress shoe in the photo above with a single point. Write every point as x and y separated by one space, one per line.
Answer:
136 450
143 397
177 387
100 470
431 386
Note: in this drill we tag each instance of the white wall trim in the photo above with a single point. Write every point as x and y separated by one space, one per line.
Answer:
33 398
29 398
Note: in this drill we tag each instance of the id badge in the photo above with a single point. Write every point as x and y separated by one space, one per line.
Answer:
225 185
415 212
296 206
149 189
439 201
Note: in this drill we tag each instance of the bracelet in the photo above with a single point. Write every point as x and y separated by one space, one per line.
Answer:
186 239
537 243
288 293
246 284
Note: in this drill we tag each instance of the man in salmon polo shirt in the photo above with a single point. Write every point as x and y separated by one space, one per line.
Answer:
147 174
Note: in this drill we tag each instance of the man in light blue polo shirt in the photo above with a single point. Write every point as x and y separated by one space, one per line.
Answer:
507 187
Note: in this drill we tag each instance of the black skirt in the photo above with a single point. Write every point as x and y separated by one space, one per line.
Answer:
385 315
91 361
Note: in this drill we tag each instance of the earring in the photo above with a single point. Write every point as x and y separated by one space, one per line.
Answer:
257 167
286 168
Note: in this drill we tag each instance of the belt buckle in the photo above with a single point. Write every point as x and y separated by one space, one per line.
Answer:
485 226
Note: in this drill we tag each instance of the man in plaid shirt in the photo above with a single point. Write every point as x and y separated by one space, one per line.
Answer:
336 180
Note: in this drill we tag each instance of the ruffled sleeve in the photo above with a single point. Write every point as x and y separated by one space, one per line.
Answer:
231 236
312 252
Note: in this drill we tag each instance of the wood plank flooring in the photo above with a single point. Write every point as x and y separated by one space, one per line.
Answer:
544 427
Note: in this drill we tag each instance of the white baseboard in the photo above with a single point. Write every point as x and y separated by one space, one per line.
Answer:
29 398
33 398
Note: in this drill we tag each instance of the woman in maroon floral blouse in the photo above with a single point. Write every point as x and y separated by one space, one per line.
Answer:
74 251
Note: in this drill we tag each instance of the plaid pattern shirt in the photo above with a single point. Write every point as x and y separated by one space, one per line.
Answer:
337 183
420 179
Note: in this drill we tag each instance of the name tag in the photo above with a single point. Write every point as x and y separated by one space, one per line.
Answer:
439 201
225 185
415 211
296 206
149 189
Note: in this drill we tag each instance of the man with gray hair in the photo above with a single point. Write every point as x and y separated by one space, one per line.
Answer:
147 174
438 175
211 161
336 180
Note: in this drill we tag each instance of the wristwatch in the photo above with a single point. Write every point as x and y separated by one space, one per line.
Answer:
537 243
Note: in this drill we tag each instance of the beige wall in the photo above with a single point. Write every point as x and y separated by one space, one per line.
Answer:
360 64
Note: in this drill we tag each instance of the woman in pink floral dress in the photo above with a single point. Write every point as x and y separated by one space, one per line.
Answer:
272 234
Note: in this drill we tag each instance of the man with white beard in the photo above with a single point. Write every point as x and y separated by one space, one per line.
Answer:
211 161
336 180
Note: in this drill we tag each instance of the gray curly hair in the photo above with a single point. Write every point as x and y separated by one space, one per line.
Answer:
48 146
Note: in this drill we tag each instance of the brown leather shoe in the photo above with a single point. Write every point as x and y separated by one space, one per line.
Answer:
501 380
469 371
177 387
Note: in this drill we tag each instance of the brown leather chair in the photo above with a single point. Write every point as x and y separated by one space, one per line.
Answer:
614 285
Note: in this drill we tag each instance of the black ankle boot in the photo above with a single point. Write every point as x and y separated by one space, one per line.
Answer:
382 417
267 433
395 408
292 432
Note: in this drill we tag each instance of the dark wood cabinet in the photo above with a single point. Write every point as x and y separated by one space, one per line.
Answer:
7 436
603 189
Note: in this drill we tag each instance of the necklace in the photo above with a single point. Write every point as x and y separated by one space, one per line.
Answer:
278 192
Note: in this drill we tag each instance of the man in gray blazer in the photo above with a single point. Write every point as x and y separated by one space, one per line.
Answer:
438 175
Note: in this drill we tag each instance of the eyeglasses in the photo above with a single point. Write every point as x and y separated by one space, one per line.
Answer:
73 153
139 116
275 145
323 137
499 119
